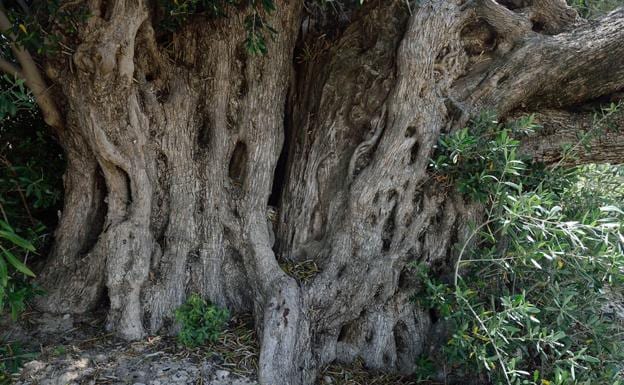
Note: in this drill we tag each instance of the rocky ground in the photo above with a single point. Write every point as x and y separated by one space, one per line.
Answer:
63 350
41 349
68 350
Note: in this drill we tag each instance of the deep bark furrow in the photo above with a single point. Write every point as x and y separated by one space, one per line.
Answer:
180 184
79 227
352 81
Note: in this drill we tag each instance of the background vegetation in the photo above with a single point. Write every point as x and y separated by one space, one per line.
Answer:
531 298
31 165
594 8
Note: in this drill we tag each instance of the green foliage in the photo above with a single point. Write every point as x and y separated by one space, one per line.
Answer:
476 158
257 32
604 120
177 12
201 321
596 185
595 8
12 357
45 27
527 300
9 242
53 25
425 368
14 97
28 195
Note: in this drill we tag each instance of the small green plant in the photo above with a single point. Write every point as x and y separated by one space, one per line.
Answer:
201 321
525 302
59 351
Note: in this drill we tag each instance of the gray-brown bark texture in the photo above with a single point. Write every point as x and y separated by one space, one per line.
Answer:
174 155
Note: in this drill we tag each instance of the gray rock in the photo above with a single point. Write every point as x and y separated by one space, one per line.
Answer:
222 374
34 366
100 358
51 323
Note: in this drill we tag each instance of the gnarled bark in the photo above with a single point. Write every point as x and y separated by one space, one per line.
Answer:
176 150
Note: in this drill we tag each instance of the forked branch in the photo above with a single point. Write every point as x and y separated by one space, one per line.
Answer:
551 71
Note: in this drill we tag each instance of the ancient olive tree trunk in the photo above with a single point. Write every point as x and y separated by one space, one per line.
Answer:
175 150
185 155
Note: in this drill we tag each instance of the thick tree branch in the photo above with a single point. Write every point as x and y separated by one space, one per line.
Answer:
553 71
577 138
32 76
551 16
508 24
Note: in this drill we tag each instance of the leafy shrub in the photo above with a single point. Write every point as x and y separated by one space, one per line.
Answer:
201 321
526 302
11 291
29 196
475 158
